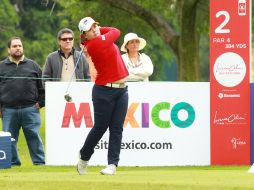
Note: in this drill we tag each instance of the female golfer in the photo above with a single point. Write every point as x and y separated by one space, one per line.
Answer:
109 94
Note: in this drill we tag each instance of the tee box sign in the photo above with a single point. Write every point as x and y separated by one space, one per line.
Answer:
229 81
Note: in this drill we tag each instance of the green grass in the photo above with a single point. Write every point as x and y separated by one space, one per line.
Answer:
28 176
128 178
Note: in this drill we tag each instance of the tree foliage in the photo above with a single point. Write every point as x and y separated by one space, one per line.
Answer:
37 24
32 21
109 16
176 31
172 28
8 22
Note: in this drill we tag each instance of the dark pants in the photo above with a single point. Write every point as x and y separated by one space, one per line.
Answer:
110 107
29 119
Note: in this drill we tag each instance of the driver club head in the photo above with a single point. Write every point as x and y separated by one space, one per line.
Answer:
68 98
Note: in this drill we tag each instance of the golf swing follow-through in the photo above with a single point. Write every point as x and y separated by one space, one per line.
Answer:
109 93
67 97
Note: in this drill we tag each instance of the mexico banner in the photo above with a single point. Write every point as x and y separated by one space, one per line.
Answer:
229 81
167 124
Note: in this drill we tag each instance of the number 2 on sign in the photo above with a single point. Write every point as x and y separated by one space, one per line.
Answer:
220 29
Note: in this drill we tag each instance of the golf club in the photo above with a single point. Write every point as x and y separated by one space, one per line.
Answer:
67 97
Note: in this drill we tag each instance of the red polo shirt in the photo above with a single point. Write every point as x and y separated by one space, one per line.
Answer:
106 56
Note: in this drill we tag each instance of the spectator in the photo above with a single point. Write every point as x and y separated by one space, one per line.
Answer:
21 96
139 65
60 64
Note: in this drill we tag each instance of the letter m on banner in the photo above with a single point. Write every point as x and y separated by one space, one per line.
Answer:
70 111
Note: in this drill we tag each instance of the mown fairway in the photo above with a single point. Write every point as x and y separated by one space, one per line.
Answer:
128 178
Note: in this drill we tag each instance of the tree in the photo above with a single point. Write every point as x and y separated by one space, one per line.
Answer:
8 22
31 21
179 23
176 30
184 44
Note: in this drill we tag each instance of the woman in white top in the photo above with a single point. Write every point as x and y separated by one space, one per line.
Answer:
139 65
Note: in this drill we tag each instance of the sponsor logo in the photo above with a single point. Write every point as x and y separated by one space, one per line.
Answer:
233 118
229 69
236 142
2 155
220 95
162 115
223 95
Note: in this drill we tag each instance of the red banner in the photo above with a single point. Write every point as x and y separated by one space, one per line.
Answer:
229 81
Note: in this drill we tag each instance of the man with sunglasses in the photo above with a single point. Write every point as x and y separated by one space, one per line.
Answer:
60 64
109 94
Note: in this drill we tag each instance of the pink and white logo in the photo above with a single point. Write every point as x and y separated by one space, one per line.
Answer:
233 118
236 142
228 95
229 69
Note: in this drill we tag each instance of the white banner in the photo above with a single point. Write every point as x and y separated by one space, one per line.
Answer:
167 124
